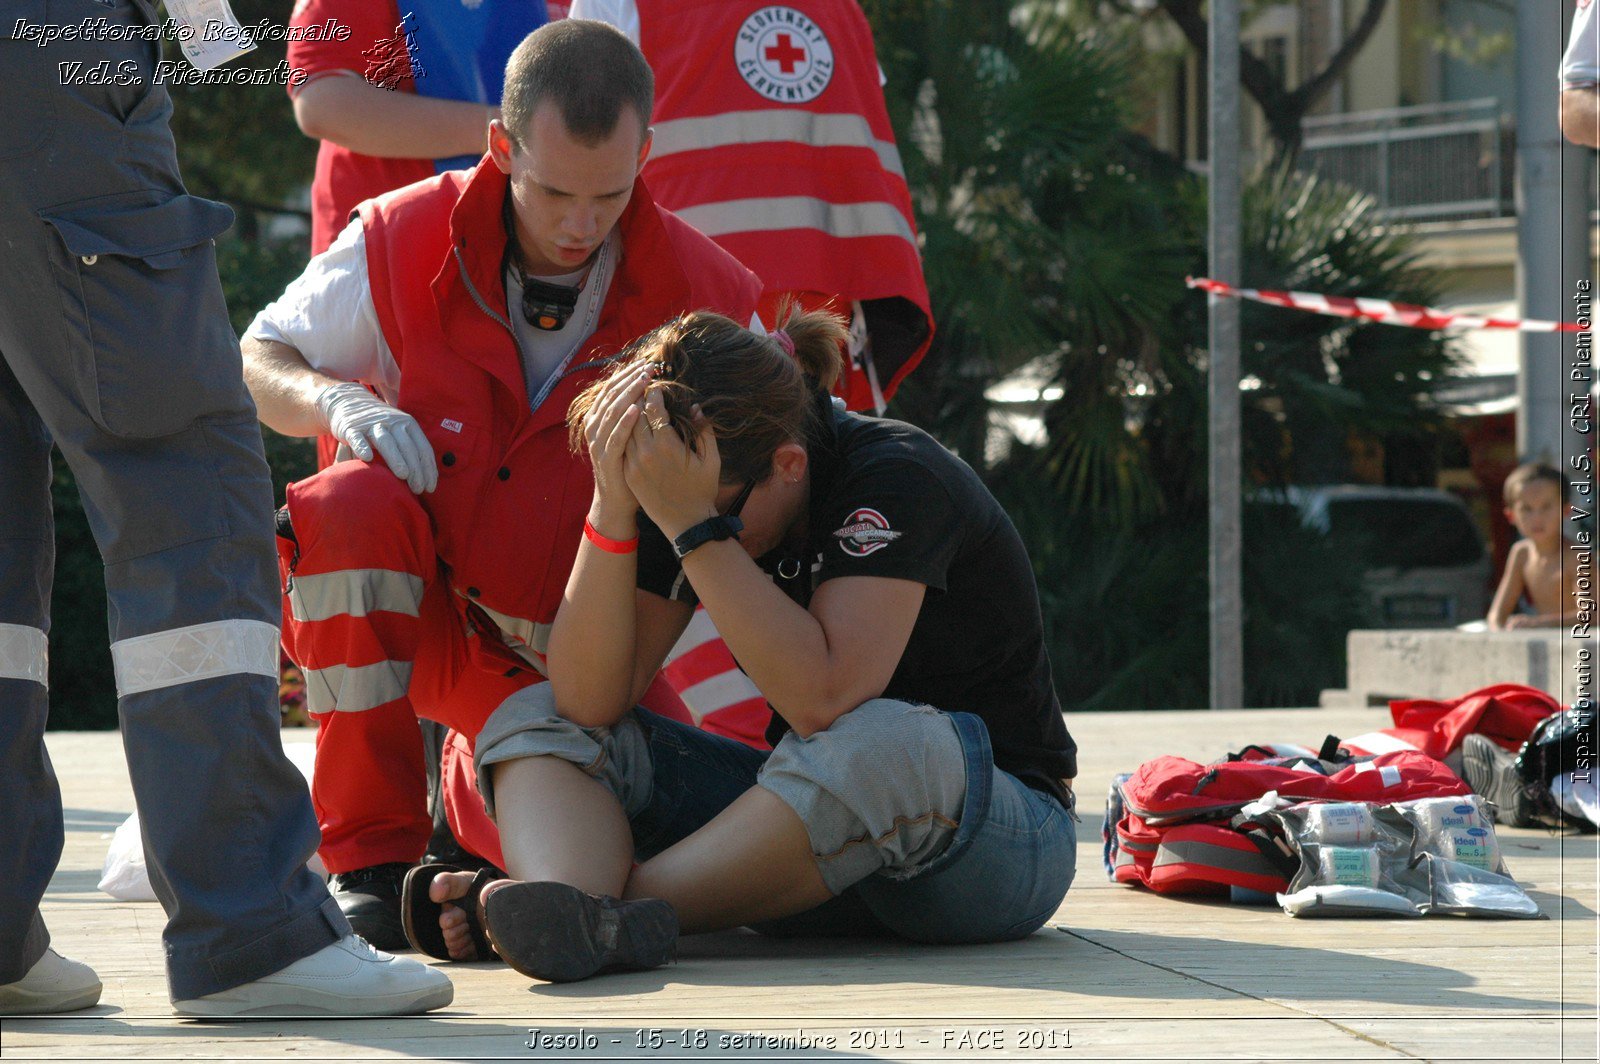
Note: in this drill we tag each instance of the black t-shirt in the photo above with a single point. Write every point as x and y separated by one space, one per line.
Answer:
888 500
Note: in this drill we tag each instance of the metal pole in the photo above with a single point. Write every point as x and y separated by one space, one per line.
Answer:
1227 613
1552 234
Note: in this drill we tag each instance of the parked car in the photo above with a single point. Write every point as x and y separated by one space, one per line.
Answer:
1424 561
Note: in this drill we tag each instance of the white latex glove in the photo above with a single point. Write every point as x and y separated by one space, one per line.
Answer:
367 424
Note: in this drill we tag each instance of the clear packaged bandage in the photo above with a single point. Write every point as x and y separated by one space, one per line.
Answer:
1434 855
1456 829
1348 866
1341 823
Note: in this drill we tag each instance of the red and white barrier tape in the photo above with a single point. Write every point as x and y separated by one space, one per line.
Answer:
1379 310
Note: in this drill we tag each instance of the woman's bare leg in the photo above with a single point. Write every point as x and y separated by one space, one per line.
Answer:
753 862
560 825
557 824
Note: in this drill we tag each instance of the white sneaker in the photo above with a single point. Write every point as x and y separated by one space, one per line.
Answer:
348 978
53 984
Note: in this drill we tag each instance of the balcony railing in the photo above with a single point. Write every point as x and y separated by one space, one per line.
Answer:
1429 163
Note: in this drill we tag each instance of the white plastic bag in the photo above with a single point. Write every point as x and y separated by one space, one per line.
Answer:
124 875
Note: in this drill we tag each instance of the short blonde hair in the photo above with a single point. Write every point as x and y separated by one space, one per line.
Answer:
1529 472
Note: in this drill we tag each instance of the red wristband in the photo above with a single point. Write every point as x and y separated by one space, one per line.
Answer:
606 543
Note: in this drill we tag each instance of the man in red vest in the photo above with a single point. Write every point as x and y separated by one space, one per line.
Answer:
476 304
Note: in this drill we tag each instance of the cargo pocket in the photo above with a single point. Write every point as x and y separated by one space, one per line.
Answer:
151 346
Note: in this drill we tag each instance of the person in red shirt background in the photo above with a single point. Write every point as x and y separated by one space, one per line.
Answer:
360 98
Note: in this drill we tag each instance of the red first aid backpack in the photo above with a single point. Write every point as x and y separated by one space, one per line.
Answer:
1176 826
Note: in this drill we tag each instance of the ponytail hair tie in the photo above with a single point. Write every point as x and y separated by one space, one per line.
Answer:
784 340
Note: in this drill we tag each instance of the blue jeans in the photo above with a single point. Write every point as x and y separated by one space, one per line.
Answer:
1001 877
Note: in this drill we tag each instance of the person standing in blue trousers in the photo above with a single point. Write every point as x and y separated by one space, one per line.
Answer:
115 345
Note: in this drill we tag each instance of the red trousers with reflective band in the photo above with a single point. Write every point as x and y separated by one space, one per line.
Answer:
368 618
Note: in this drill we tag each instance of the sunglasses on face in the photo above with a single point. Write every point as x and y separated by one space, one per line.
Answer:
740 499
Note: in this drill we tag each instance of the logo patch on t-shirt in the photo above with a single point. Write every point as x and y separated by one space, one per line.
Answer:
865 531
783 55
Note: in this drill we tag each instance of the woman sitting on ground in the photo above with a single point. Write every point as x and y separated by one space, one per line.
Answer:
881 600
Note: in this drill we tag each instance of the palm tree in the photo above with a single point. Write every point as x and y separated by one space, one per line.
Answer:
1311 381
1054 237
1039 239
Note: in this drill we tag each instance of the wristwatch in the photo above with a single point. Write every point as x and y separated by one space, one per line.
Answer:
712 528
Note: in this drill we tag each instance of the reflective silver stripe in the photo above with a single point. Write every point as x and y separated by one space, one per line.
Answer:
520 632
767 127
1189 851
871 218
356 592
352 689
24 654
198 652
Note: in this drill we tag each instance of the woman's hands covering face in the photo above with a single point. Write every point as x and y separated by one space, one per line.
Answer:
607 429
676 486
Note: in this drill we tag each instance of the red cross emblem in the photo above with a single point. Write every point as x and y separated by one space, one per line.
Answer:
785 54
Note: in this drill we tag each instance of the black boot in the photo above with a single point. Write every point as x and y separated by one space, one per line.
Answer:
370 899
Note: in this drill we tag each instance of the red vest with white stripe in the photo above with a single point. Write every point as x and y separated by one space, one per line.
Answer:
772 138
508 511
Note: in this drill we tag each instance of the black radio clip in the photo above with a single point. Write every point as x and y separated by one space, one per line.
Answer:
547 306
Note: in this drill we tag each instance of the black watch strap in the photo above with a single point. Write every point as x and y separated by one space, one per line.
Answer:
707 531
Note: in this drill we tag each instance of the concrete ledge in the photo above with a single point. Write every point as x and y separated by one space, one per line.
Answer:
1447 664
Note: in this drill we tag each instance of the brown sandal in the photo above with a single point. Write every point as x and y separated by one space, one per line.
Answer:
419 914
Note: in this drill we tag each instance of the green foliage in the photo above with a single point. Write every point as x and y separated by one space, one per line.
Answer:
1316 378
1038 232
1055 238
1126 618
240 144
83 691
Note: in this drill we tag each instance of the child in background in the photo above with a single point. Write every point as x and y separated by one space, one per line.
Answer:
1534 495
